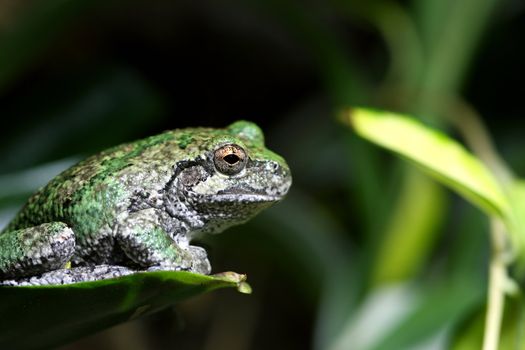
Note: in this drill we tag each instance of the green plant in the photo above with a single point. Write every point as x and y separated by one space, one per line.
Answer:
502 200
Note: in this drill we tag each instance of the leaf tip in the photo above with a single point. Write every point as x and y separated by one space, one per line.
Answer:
345 115
237 278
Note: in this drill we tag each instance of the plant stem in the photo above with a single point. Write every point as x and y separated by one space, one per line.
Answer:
496 293
470 124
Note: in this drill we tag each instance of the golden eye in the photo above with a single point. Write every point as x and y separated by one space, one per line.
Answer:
230 159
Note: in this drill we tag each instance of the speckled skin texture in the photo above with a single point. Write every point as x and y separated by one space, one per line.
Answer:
138 205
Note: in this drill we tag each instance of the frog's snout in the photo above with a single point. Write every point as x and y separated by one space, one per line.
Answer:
282 179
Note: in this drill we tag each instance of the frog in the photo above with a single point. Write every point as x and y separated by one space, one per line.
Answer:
138 206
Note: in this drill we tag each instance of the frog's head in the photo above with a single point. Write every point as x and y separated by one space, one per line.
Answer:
230 177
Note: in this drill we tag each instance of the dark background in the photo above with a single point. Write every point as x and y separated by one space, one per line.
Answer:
79 76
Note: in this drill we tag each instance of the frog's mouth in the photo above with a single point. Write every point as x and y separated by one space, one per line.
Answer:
227 209
248 194
245 198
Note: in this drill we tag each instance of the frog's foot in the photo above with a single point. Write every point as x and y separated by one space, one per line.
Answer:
147 244
35 250
72 275
194 259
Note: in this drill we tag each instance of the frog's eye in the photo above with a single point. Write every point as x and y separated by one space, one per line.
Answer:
230 159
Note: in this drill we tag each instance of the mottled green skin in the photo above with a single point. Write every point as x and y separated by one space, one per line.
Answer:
139 204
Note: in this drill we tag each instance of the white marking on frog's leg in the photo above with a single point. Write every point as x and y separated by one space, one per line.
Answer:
72 275
35 250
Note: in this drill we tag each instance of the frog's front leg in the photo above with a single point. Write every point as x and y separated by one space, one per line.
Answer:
144 240
35 250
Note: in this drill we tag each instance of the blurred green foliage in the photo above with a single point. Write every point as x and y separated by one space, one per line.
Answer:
498 194
365 253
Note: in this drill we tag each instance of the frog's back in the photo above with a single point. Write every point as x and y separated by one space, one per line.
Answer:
86 193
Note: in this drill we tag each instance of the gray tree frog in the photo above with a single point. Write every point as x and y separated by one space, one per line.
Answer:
137 206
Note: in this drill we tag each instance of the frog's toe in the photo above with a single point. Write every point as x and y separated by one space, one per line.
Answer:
199 260
203 267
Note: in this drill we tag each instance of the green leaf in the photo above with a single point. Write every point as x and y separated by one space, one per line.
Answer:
40 317
440 156
440 308
450 48
412 229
